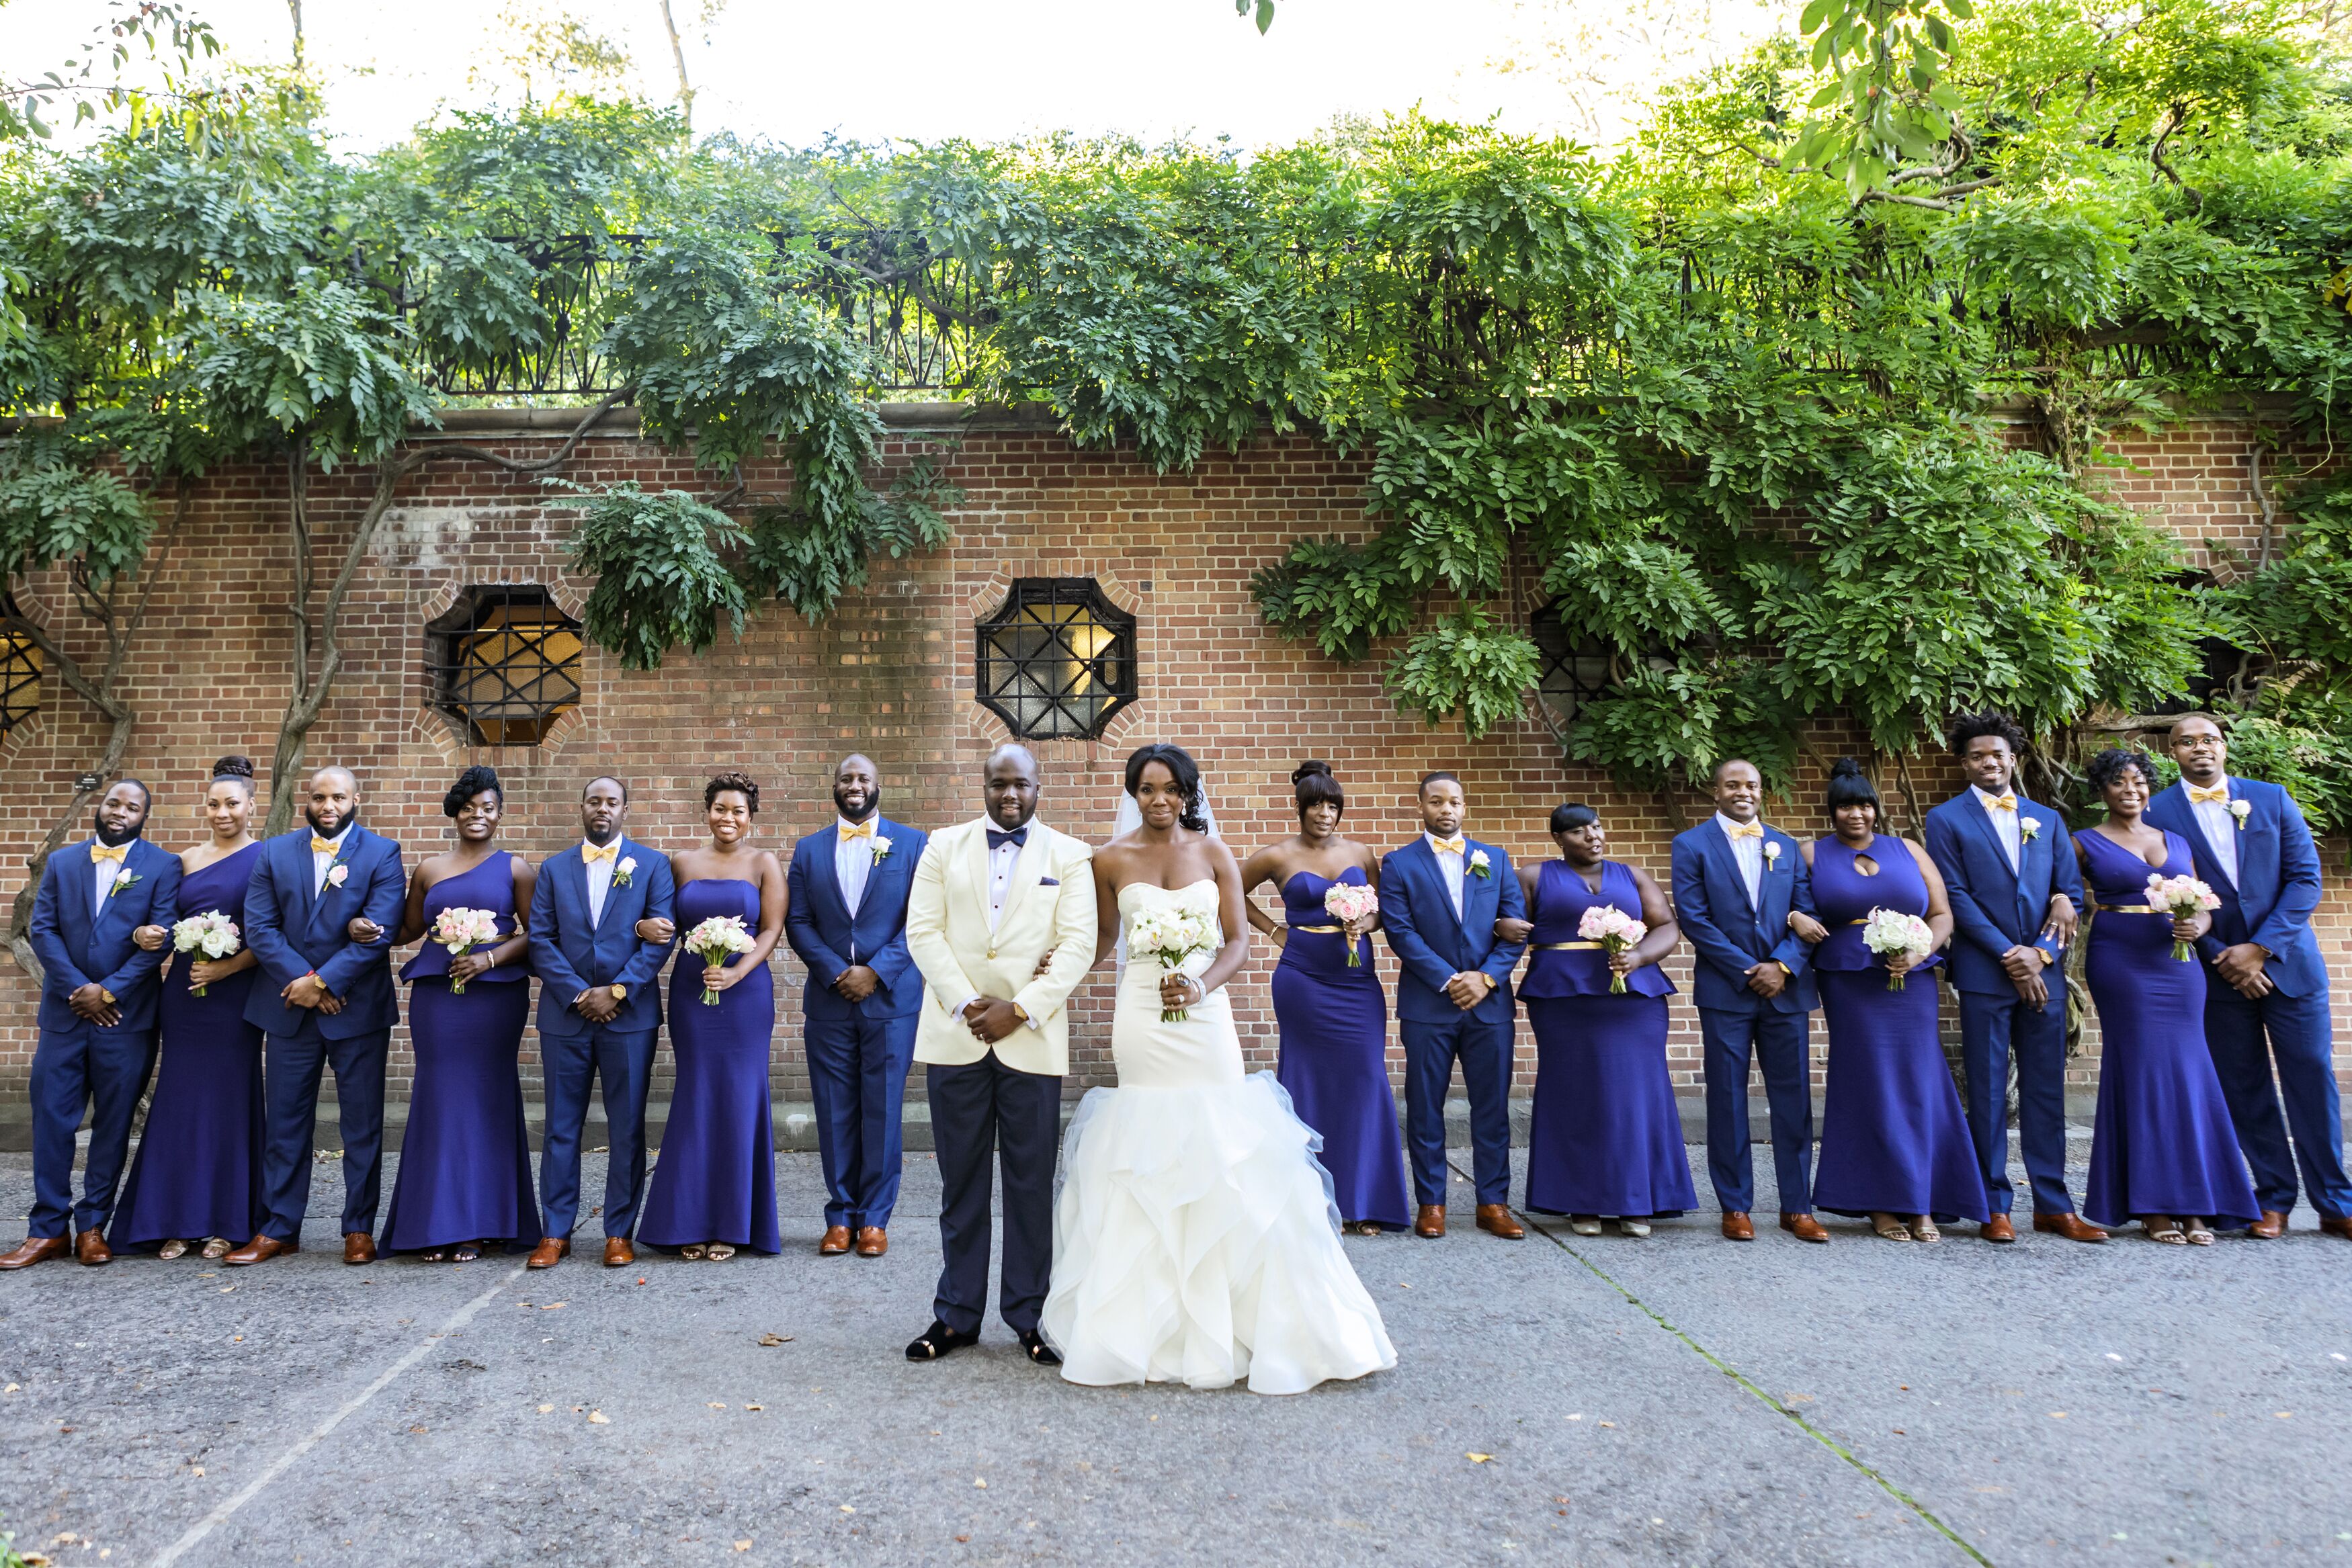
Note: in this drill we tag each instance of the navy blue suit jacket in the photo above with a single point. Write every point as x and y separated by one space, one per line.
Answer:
1433 946
1993 907
817 925
79 944
2277 885
1730 935
571 953
293 932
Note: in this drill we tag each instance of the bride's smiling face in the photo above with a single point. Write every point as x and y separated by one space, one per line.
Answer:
1157 797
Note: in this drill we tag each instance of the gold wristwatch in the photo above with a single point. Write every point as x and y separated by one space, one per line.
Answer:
620 993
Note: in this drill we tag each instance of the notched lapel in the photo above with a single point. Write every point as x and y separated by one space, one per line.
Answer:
1727 859
1028 867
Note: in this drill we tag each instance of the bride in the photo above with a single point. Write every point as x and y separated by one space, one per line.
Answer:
1193 1236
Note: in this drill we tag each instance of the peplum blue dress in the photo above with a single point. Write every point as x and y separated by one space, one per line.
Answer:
1604 1137
465 1158
2162 1142
715 1179
1334 1026
1893 1137
198 1172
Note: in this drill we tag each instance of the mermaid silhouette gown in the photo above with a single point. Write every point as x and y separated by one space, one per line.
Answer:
2162 1142
1893 1137
715 1179
1604 1135
465 1158
198 1172
1194 1237
1334 1025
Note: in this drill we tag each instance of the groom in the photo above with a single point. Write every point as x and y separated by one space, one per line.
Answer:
1000 923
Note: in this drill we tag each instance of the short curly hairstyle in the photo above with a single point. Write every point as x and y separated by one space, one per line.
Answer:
1977 725
470 783
2110 764
742 784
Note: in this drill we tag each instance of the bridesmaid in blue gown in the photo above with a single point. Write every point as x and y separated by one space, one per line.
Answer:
2162 1148
1895 1142
714 1189
464 1161
1333 1018
198 1173
1604 1135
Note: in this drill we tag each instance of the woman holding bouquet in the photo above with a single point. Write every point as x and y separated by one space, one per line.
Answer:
1603 1136
1895 1142
198 1172
2162 1149
714 1189
464 1161
1329 1007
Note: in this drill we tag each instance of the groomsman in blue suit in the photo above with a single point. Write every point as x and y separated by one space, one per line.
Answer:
2265 982
599 1014
1735 880
2016 893
847 919
318 916
1440 897
97 1018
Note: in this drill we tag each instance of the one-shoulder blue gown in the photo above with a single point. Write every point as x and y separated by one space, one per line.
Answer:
1334 1024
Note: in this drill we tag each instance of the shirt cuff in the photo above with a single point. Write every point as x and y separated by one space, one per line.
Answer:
965 1005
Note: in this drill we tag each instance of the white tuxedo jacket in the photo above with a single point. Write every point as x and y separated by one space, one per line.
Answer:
1049 908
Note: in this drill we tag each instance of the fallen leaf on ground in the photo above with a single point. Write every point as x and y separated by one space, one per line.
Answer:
978 1483
847 1508
2057 1414
1477 1459
776 1339
597 1417
11 1389
1608 1423
554 1306
416 1428
742 1546
195 1469
755 1407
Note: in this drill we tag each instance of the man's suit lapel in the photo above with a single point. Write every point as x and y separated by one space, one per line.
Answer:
1775 887
1028 867
1727 860
1476 890
76 884
825 879
1981 824
353 844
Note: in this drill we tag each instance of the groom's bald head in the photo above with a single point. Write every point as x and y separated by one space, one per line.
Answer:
1010 786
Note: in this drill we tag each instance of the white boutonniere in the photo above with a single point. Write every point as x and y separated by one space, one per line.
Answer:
1479 866
123 879
881 847
338 874
2241 809
624 871
1771 853
2028 829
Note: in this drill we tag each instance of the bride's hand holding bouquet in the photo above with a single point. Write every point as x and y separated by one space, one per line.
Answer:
1174 936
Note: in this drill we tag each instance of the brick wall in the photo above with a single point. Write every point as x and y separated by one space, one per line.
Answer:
890 674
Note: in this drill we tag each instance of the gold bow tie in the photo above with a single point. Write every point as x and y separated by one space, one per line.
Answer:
590 854
115 853
1739 831
319 846
863 830
2002 802
2220 792
1449 846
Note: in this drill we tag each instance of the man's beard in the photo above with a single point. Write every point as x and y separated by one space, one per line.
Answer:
311 815
873 804
109 837
600 837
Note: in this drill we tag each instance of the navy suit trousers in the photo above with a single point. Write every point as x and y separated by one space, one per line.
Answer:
1780 1044
1483 1049
2243 1036
104 1072
624 1060
857 1076
980 1111
1996 1028
292 1067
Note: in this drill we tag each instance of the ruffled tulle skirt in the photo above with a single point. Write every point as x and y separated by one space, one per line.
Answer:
1195 1240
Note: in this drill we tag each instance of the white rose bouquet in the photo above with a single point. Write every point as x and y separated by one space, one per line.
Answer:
2183 898
212 933
1889 932
461 930
1174 936
1615 931
1348 903
714 942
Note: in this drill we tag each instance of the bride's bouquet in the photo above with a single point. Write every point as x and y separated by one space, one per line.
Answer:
212 933
1172 936
2183 898
1615 931
714 942
1888 931
1346 902
461 930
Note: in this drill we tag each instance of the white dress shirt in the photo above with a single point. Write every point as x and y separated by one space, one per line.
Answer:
322 858
2221 832
853 861
1748 851
599 874
1450 865
2008 826
107 871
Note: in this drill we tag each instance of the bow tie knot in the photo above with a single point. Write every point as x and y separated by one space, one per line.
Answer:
118 853
591 853
1018 837
2220 792
1452 846
864 829
319 846
1739 831
2002 802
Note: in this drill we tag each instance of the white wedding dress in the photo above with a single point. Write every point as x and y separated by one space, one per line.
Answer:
1194 1235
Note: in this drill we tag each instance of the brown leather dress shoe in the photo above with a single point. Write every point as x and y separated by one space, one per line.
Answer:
1495 1219
835 1241
618 1253
2070 1225
1998 1228
1429 1220
1803 1226
34 1249
261 1249
1736 1227
2341 1227
551 1250
872 1242
359 1247
2268 1227
91 1251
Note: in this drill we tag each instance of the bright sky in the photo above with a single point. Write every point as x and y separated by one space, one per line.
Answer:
793 70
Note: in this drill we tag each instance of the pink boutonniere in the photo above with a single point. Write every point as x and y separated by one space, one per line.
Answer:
338 874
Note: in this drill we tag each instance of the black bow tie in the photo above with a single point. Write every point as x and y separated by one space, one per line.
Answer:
1018 837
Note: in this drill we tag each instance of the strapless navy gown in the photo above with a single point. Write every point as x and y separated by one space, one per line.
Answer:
1334 1026
1604 1135
198 1172
465 1160
1893 1137
716 1180
2162 1142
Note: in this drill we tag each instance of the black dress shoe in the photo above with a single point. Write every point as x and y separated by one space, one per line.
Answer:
1038 1350
937 1340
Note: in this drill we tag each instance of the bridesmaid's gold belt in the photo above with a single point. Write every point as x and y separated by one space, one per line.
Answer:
2128 909
1318 930
1568 946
